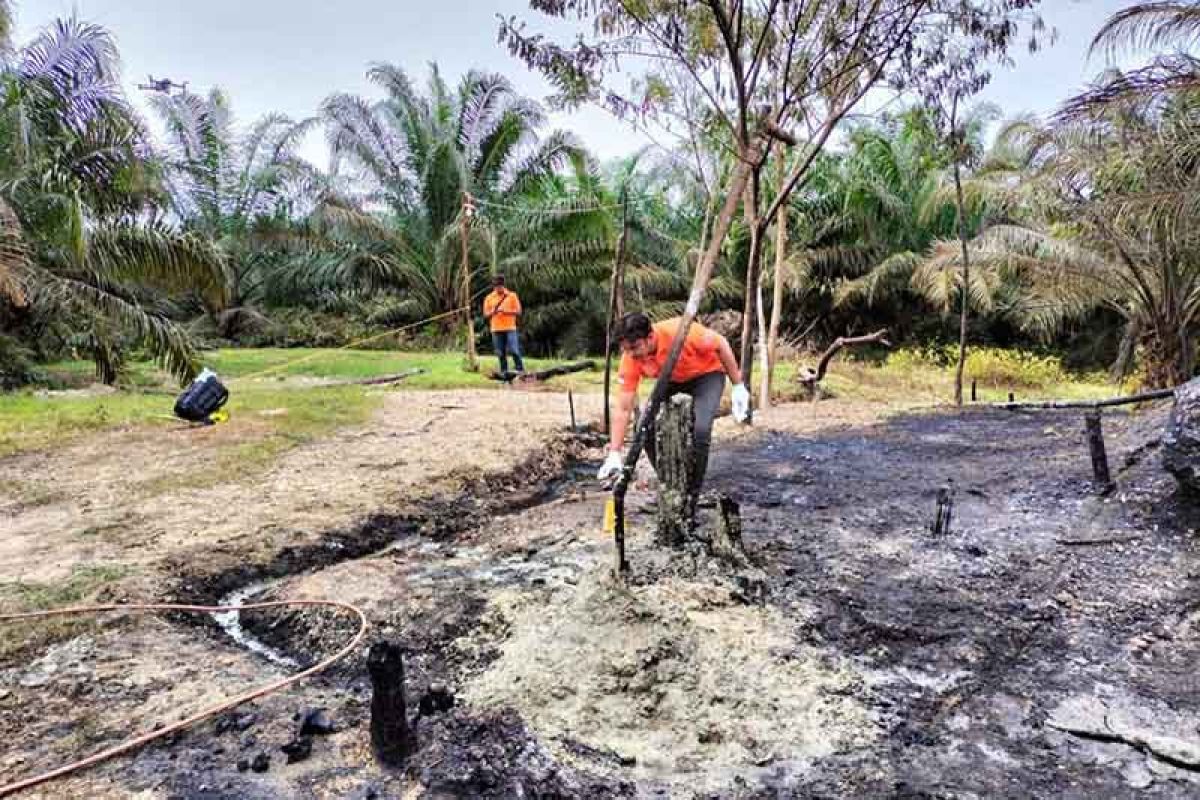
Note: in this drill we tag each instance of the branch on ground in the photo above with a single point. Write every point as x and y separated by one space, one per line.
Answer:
809 377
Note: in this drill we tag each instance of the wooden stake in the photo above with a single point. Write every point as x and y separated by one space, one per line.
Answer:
973 390
727 541
944 512
674 431
468 212
389 724
571 403
1095 436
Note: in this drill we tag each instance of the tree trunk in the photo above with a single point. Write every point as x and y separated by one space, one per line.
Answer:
674 430
616 307
753 267
781 241
1168 362
966 286
764 398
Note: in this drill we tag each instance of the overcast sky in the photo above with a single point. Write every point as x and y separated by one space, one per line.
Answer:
287 55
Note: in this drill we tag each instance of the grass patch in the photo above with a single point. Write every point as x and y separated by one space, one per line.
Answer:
258 380
79 588
926 376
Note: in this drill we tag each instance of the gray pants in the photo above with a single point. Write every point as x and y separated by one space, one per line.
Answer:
706 392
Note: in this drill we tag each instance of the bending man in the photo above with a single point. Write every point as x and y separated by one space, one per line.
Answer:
704 362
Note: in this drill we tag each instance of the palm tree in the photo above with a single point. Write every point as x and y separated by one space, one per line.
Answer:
1101 214
79 262
897 190
240 191
1156 26
417 155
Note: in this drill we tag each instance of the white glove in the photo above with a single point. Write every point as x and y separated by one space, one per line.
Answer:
741 402
612 465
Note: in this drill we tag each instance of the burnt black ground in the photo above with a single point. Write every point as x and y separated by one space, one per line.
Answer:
967 642
981 634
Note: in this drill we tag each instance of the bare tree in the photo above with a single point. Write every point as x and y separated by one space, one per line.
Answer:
767 70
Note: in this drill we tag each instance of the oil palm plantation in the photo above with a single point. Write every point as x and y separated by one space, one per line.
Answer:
1169 29
1102 214
242 191
86 265
415 156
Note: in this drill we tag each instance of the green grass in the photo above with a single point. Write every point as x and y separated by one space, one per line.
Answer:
84 582
443 370
77 589
30 421
925 377
270 380
260 380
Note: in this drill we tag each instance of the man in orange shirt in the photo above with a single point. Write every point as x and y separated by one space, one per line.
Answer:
704 362
502 308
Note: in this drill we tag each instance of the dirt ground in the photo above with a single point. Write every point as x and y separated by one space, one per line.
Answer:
117 498
1045 647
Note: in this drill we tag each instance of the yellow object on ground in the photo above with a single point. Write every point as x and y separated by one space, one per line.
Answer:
610 515
221 415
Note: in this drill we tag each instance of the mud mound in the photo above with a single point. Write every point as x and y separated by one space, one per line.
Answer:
678 679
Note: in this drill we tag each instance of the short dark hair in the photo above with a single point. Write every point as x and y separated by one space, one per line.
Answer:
498 279
632 327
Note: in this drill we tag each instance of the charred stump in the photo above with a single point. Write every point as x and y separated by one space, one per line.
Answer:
390 737
943 514
1095 437
727 540
674 440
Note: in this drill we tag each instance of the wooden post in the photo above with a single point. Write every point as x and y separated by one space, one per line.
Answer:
1095 436
468 213
1011 399
389 724
972 390
571 404
616 304
943 513
727 541
674 430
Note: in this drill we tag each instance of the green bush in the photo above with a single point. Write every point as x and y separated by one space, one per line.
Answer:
990 366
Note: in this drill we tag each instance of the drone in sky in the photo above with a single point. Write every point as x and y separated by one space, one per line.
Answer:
164 85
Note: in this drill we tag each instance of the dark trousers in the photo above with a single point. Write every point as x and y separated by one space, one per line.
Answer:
506 343
706 392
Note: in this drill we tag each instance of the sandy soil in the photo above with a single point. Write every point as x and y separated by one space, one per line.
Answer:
116 498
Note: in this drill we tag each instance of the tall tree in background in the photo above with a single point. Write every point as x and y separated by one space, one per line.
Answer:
234 189
86 263
763 69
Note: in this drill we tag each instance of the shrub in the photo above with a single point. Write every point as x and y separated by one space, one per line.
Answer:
990 366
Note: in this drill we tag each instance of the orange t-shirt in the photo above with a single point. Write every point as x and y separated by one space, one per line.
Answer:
506 307
698 357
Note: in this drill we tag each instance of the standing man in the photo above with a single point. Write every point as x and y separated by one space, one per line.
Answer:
501 308
704 363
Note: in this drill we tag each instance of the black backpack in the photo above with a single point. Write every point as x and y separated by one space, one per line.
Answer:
199 400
